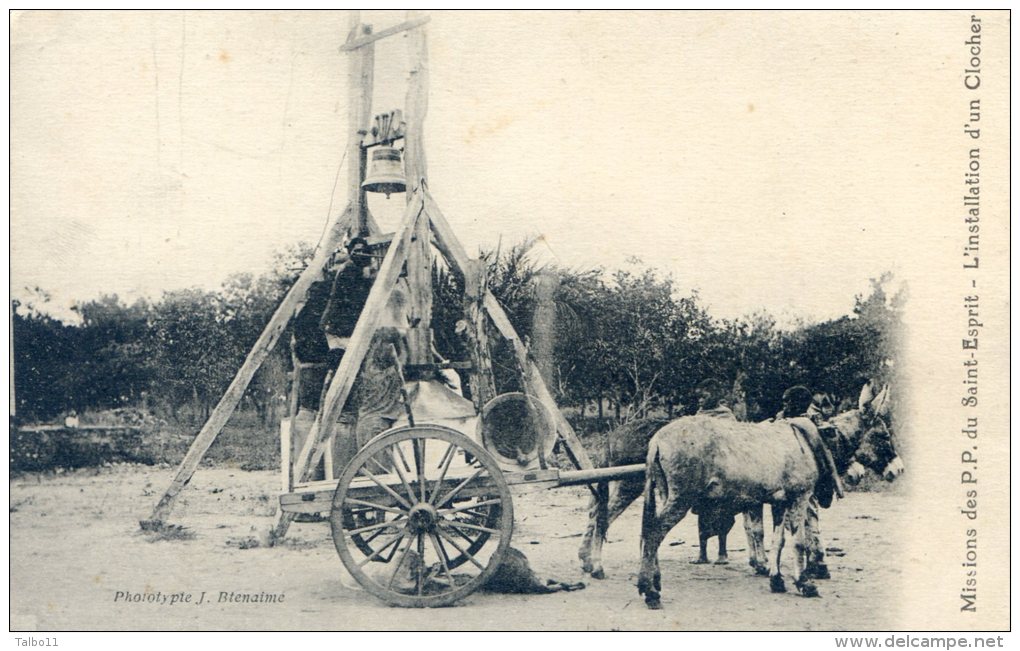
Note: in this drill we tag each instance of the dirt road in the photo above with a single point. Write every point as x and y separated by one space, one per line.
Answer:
76 550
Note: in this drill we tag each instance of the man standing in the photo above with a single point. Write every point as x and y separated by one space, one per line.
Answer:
351 286
376 397
797 408
712 402
322 332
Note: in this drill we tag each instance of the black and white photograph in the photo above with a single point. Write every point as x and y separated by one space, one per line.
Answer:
524 320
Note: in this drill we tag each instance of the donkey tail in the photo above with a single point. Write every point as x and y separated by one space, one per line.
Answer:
655 487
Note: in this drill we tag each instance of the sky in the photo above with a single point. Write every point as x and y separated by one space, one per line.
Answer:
766 160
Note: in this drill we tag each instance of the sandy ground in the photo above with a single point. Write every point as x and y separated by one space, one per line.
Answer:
75 543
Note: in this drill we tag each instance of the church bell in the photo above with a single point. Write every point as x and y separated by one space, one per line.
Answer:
386 173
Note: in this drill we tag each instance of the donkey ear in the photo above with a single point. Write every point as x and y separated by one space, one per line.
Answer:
865 399
881 403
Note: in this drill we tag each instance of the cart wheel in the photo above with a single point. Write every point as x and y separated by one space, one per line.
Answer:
415 504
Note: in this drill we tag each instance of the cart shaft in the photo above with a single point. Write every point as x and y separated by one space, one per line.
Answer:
592 475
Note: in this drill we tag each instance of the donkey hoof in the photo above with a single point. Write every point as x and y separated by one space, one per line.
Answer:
653 602
776 583
760 570
819 571
699 561
598 574
644 586
722 560
807 589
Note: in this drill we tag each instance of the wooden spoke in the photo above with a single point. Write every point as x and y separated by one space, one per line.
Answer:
378 465
460 549
443 558
373 527
378 552
467 508
419 580
403 459
445 466
473 527
466 537
474 514
373 505
419 464
396 568
449 452
403 477
374 535
449 496
393 494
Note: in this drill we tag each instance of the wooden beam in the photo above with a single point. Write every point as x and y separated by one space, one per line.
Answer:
286 442
360 77
287 436
536 386
446 239
343 380
260 351
389 31
419 257
483 385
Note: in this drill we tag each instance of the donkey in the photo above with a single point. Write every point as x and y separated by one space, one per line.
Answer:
857 438
717 466
626 445
629 445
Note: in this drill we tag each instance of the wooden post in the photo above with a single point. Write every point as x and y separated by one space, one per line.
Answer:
483 385
419 256
343 380
287 446
286 441
543 325
258 354
10 353
360 77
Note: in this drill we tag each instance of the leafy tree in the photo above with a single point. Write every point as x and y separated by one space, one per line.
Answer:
188 361
43 347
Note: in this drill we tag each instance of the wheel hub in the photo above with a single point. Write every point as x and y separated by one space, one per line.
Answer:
422 518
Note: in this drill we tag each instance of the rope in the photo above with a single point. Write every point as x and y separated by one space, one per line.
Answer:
332 195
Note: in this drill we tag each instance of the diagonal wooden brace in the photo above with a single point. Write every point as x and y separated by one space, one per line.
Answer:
343 380
258 354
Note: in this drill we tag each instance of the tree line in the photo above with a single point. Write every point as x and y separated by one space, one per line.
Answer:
613 344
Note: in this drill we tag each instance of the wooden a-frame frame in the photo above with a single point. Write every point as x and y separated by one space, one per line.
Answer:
409 248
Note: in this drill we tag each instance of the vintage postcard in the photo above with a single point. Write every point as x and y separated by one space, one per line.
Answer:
450 320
